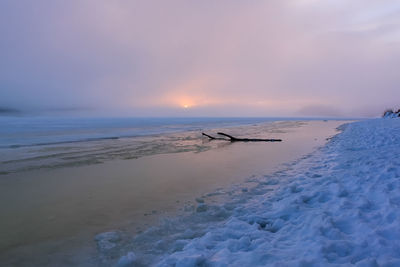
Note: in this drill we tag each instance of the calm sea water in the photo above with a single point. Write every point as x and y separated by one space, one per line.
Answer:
28 143
34 131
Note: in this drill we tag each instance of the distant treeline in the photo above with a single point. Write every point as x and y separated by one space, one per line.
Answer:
4 111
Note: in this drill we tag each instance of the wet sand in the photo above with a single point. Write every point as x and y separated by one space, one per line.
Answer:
50 216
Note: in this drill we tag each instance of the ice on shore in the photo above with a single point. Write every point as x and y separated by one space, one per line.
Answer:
340 205
127 260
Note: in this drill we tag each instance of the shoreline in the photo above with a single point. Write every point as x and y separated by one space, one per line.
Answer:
338 205
194 203
207 215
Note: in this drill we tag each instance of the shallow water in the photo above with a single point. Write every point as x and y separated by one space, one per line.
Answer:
50 216
36 143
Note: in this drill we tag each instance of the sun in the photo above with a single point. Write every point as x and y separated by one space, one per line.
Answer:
187 103
184 102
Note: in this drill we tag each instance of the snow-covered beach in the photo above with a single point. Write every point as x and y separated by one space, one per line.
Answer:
338 205
199 133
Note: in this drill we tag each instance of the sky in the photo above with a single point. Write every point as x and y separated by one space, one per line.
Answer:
200 58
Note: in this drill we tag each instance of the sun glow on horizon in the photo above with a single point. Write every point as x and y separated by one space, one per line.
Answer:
185 102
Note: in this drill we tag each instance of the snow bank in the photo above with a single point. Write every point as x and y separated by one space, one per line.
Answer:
340 205
391 114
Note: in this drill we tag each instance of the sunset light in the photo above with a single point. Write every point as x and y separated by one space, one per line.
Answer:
185 102
186 133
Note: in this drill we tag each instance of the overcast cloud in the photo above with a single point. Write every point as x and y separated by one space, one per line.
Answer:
217 58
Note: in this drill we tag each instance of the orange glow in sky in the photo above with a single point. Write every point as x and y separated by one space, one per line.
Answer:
189 94
184 102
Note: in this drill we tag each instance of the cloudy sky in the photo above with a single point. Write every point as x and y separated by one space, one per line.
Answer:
201 58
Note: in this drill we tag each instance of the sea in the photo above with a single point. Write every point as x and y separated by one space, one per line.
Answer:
28 143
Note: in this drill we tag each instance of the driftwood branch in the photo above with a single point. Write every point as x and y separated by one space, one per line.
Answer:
234 139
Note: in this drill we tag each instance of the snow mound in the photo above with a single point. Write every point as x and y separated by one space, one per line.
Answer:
338 206
127 260
391 114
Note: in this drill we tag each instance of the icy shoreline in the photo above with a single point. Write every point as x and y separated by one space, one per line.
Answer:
339 205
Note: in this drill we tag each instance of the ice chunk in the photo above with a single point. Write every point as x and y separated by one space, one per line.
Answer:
108 240
201 208
127 260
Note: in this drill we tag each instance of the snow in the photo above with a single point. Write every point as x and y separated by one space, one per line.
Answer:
108 240
127 260
390 114
337 206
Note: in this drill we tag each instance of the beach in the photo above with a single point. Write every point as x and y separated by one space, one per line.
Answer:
199 133
58 212
336 206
